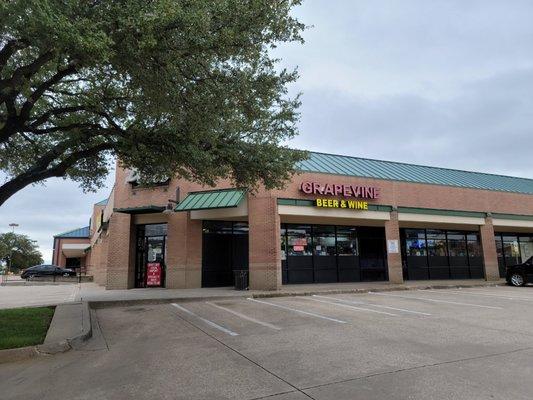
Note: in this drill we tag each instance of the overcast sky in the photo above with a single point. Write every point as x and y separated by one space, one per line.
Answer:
445 83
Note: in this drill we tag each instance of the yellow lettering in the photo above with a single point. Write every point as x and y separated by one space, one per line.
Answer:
319 202
336 203
365 205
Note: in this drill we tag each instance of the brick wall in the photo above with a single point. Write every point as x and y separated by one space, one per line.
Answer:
264 239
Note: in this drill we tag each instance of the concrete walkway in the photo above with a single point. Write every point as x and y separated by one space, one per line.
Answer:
99 297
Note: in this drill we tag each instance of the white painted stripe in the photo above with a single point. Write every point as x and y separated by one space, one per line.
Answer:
352 307
436 301
298 311
245 317
206 321
373 305
500 296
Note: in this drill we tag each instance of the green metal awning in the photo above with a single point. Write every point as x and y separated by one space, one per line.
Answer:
225 198
151 209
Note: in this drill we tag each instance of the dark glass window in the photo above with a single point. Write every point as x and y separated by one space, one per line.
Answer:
474 246
324 240
457 244
499 246
347 241
436 242
155 230
283 234
299 240
415 241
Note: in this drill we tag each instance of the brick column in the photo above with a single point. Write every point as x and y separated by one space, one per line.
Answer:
184 252
490 256
176 257
264 249
394 260
120 263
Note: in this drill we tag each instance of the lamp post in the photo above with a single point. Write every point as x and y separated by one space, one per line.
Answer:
13 226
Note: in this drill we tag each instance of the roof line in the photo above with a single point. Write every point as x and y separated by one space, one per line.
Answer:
421 165
73 230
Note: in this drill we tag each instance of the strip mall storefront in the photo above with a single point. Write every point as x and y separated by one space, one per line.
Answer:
341 219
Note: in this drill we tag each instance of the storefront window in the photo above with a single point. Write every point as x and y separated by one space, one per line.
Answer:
299 240
436 242
474 246
511 249
499 246
324 240
456 244
283 234
347 241
415 242
526 247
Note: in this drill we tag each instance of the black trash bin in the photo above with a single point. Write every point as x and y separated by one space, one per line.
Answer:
241 279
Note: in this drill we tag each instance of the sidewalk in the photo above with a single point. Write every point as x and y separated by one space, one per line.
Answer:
98 297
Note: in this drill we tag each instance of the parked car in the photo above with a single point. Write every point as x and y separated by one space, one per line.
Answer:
519 275
46 270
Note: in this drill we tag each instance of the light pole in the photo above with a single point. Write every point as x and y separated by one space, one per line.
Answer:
13 226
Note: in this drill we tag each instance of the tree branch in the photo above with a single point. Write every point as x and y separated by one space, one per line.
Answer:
41 172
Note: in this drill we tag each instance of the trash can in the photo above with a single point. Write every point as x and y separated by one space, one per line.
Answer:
241 279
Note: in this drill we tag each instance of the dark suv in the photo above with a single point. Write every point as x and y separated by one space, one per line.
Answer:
46 270
519 275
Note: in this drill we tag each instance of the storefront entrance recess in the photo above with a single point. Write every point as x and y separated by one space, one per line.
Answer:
224 250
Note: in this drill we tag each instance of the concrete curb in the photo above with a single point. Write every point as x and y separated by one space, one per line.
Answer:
55 347
98 304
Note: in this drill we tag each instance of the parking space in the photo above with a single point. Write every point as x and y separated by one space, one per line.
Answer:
454 343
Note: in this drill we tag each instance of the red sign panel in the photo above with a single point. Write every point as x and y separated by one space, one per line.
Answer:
153 274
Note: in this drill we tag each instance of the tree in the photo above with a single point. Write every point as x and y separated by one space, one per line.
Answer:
21 248
169 87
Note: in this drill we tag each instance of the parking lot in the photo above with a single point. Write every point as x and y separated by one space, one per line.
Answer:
472 343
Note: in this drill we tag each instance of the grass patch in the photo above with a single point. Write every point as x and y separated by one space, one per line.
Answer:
20 327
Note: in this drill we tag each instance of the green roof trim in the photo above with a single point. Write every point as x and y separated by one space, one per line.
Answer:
310 203
396 171
435 211
212 199
513 217
150 209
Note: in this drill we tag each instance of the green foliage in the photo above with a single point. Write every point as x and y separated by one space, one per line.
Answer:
21 327
186 87
24 251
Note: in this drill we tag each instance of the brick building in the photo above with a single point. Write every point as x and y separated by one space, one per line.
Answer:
340 219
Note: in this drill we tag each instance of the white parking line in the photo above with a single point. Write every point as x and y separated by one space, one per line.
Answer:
298 311
245 317
436 301
481 294
206 321
373 305
351 307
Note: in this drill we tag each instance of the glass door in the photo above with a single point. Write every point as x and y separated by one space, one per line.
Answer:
150 255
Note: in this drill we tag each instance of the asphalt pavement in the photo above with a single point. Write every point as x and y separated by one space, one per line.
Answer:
473 343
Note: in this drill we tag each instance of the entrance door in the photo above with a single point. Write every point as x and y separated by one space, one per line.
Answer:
224 250
150 255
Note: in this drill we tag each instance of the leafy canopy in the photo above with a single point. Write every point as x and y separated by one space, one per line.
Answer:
186 87
24 251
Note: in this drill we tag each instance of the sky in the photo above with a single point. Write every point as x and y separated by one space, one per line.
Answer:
444 83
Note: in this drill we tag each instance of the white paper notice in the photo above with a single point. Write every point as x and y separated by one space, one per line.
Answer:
392 246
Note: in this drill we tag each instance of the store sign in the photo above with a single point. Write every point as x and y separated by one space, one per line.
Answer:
359 193
332 189
153 274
